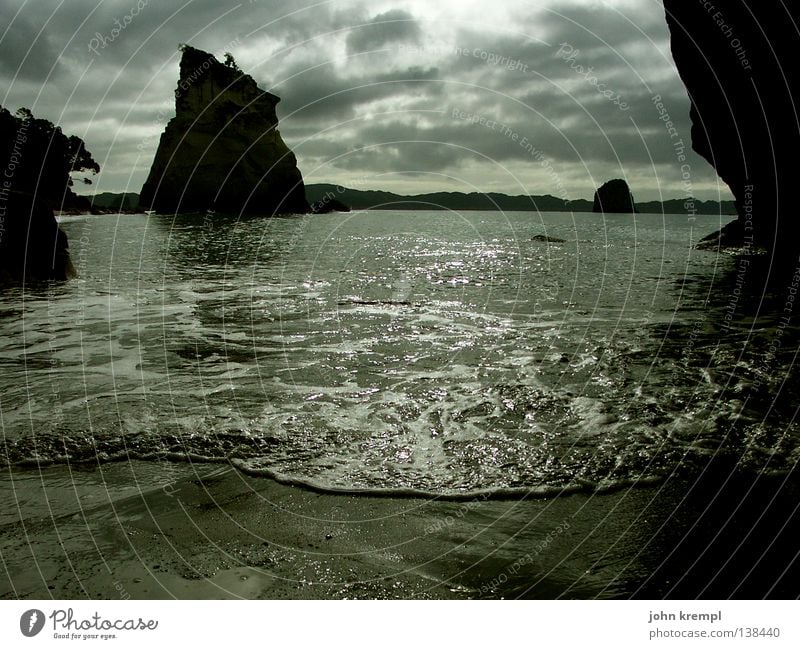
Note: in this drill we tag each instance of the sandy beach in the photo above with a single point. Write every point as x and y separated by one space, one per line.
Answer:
176 530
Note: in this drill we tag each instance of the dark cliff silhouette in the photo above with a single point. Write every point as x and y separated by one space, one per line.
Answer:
222 150
614 196
38 159
37 162
738 61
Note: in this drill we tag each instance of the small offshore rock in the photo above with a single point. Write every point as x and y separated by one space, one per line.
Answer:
547 239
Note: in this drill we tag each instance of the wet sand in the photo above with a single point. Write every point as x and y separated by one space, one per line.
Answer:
192 531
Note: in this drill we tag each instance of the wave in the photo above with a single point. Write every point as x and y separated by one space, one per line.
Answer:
580 486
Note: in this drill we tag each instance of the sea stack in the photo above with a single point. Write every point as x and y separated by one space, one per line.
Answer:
739 64
614 196
222 151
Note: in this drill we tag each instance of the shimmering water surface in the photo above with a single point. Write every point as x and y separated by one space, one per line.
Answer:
429 351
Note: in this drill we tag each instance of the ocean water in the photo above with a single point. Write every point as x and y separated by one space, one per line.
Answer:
400 352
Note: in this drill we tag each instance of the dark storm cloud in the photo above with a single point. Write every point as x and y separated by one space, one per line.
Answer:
138 37
470 137
107 70
27 52
322 95
393 26
366 88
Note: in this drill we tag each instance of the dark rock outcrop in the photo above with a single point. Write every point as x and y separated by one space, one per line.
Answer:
32 246
614 196
222 150
738 61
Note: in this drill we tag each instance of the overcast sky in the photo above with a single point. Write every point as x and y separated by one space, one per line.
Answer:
404 95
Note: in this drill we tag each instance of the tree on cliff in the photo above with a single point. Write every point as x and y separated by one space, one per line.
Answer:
231 62
39 159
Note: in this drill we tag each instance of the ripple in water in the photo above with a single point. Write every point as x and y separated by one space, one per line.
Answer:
383 352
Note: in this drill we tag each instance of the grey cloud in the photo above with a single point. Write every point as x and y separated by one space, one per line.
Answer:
406 157
593 25
321 94
395 26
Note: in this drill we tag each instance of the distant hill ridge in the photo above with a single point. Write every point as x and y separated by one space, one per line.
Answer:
372 199
124 202
359 199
